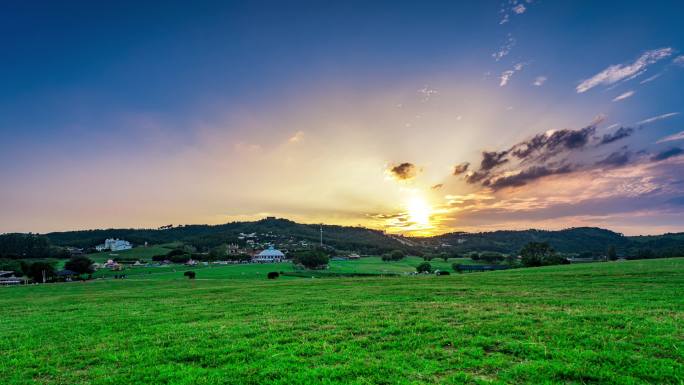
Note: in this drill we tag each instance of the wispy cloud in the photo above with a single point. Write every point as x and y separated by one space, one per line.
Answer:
297 137
624 96
617 72
672 138
651 78
539 81
657 118
512 7
505 48
506 75
679 60
426 93
519 9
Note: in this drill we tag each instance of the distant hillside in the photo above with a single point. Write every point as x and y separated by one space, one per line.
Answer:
574 240
207 236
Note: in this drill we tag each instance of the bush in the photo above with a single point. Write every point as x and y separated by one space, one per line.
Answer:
273 275
424 267
189 274
443 272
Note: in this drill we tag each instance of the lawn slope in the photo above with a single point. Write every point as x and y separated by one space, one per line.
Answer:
594 323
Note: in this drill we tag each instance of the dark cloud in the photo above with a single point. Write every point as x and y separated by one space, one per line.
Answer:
491 159
461 168
476 176
437 186
667 154
528 175
620 133
615 159
404 171
544 146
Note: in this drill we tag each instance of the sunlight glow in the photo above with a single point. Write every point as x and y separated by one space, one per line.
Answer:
418 211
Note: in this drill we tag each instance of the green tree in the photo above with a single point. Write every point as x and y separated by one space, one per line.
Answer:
80 264
39 270
444 256
397 255
311 259
612 254
424 267
536 254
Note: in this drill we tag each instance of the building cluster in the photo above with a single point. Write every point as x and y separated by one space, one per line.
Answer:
114 245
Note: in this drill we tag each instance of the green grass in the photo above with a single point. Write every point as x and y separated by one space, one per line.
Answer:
367 265
145 253
615 323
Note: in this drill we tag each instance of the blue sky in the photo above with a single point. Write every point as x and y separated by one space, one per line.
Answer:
134 114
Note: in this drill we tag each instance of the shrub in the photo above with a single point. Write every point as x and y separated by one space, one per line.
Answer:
424 267
443 272
273 275
189 274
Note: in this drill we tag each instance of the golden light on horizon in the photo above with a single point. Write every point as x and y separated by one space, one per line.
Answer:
418 211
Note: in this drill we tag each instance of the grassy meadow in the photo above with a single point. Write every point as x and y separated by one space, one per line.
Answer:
618 322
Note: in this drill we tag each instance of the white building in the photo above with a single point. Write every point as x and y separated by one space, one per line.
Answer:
114 245
269 255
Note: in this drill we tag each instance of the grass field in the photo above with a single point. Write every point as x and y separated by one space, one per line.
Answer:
372 265
591 323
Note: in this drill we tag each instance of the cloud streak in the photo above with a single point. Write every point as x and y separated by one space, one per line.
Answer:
672 138
618 72
657 118
624 96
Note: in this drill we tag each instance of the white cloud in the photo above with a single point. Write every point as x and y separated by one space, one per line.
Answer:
505 49
623 96
426 93
519 9
297 137
617 72
650 78
539 81
659 117
672 138
506 75
679 60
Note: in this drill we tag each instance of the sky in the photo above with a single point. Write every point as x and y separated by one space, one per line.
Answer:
416 118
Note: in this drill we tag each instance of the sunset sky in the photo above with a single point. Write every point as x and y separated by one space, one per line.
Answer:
413 117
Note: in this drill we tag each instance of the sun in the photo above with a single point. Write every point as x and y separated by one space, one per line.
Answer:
418 211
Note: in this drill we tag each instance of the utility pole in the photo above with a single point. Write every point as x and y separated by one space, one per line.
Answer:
321 235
